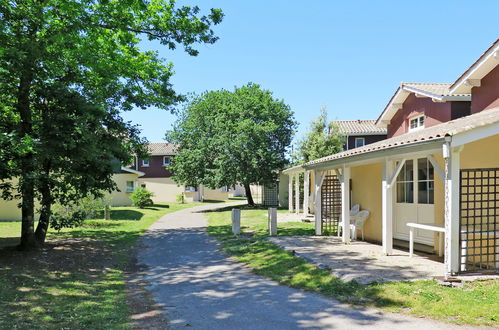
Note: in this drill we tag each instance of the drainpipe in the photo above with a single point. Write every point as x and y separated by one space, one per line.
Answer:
136 163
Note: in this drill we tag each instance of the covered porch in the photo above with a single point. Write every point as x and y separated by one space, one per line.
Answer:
443 179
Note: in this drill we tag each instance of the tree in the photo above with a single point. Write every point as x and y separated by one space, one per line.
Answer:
227 138
321 140
58 54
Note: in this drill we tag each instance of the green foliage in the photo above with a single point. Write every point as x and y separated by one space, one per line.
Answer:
321 140
141 197
180 198
230 137
72 214
68 69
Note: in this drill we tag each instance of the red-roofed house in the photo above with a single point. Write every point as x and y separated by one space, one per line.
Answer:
437 172
360 132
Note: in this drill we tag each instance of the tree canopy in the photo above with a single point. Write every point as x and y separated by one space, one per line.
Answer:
67 71
322 139
232 137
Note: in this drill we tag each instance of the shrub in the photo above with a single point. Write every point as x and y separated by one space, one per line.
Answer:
180 198
141 197
73 214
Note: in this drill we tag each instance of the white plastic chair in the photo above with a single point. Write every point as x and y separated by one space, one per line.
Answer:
353 214
359 221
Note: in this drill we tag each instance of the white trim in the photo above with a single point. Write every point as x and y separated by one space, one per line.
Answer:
437 167
475 134
345 203
144 164
169 160
318 178
417 119
387 209
127 190
129 170
306 192
477 71
365 133
290 194
297 193
396 172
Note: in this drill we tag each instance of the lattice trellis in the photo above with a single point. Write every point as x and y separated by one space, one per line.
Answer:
330 204
479 223
270 195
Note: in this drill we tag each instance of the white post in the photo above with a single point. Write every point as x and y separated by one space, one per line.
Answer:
452 232
387 209
272 221
306 193
318 178
236 221
290 194
297 193
345 203
411 241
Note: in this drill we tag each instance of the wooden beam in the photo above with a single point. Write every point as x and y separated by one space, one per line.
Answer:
472 82
396 173
437 167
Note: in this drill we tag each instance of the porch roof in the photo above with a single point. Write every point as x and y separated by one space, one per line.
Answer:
430 137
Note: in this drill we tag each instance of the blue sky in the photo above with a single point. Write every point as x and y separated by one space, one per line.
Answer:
347 55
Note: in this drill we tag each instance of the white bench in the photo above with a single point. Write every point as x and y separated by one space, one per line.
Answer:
430 227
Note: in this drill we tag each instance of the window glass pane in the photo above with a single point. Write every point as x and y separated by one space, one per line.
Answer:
408 170
431 191
421 121
423 192
401 175
430 171
400 193
409 190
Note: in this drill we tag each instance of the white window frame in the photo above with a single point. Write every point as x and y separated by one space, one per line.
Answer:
190 189
360 139
145 163
419 125
169 161
128 189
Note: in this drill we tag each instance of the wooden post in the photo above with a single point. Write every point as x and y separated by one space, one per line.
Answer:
236 221
272 215
345 203
452 232
318 178
297 193
387 209
306 193
290 194
107 212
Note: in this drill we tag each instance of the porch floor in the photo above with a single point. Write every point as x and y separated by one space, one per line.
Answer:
362 261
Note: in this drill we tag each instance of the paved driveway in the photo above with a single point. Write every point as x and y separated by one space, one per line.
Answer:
198 287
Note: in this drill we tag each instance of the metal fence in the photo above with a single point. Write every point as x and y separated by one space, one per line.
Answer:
479 222
330 204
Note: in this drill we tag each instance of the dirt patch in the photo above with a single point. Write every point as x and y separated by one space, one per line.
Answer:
145 313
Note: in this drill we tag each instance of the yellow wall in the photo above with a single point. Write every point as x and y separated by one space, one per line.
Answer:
366 191
165 189
121 197
481 154
214 194
9 210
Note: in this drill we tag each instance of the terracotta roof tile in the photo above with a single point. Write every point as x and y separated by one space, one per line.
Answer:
162 148
348 127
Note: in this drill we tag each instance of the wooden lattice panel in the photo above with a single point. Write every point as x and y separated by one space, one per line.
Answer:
479 222
330 204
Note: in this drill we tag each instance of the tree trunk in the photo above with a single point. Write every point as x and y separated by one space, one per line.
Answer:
46 203
249 197
27 164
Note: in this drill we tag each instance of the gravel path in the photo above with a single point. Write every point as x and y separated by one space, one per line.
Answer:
198 287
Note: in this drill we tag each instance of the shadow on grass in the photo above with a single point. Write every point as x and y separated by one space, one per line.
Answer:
282 266
242 207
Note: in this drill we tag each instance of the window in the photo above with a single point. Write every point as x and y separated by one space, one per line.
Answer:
426 181
405 184
416 123
143 185
359 142
166 161
145 163
129 186
190 188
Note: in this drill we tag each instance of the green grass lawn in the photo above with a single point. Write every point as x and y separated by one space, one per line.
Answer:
77 279
475 303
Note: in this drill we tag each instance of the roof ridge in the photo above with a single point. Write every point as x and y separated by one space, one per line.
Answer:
424 83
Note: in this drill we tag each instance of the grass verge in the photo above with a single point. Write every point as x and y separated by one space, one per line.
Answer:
77 279
475 303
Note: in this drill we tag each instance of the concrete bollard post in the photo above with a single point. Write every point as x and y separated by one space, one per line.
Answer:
236 221
107 212
272 221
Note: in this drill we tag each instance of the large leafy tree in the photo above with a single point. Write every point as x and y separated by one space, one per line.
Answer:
71 67
232 137
321 140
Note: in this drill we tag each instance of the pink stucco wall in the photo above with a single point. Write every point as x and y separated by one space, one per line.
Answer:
487 95
435 113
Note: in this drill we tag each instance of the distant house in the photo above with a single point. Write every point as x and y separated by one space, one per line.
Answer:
437 172
360 132
157 177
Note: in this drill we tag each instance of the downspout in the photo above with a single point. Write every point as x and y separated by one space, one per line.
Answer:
136 162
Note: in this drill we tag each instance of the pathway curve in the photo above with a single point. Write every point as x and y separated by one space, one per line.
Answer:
198 287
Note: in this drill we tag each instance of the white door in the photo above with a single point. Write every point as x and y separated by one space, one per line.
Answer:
414 200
